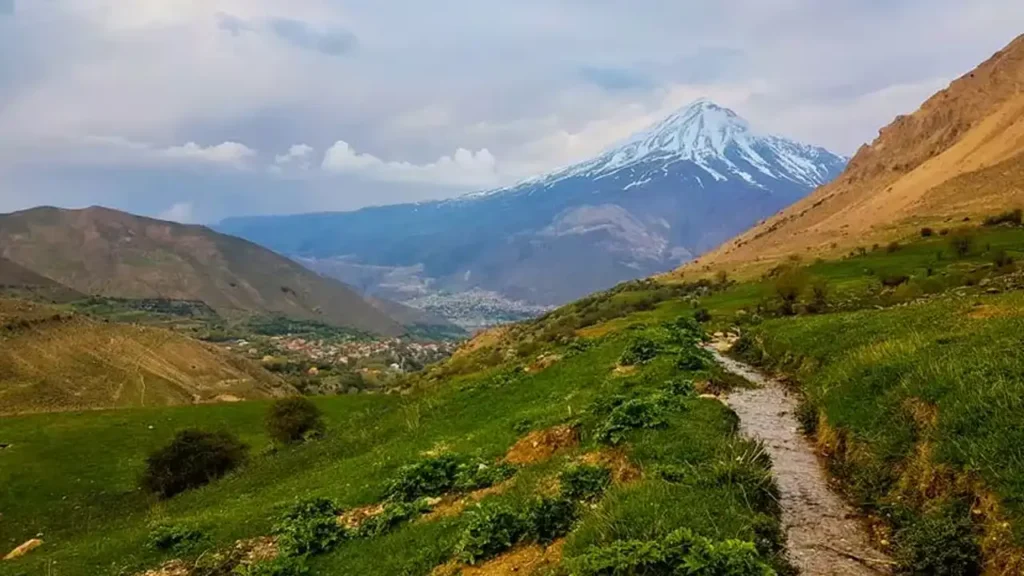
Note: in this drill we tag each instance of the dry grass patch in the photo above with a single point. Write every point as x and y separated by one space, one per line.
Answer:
522 560
541 445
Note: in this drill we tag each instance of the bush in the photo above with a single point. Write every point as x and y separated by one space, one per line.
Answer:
584 482
685 330
892 247
962 242
443 474
927 232
702 315
294 419
819 297
192 459
490 531
894 280
788 288
1013 217
681 552
631 415
394 515
174 538
309 527
550 518
941 543
640 350
1002 260
693 359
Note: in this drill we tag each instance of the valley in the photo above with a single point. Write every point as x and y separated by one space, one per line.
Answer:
704 351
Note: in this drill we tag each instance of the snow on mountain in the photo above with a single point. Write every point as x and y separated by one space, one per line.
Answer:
714 139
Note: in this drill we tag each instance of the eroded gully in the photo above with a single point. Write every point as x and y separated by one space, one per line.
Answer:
825 536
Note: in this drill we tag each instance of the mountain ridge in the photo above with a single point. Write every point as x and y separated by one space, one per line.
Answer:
636 210
107 252
951 159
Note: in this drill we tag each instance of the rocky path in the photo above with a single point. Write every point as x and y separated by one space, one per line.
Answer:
825 536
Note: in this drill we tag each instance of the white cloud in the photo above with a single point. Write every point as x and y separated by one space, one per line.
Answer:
225 153
180 212
297 155
465 168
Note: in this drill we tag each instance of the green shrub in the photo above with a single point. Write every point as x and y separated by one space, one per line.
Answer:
1002 260
788 287
819 297
941 543
394 515
693 359
443 474
683 388
685 330
550 518
1012 217
309 527
681 553
491 529
640 350
702 315
894 280
750 471
280 566
175 538
631 415
961 241
294 419
192 459
584 482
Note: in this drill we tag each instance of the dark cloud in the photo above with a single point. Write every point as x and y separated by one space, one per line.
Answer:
331 42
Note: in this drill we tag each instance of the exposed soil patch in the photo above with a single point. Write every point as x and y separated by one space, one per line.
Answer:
825 536
621 370
170 568
543 362
522 560
451 506
243 553
541 445
352 519
986 311
623 470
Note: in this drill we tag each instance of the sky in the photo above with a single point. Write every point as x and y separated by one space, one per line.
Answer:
197 110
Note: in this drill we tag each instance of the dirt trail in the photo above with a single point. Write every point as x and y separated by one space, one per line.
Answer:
825 536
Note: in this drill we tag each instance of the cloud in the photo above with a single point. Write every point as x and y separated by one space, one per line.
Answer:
233 24
332 42
180 212
225 153
464 168
616 78
297 154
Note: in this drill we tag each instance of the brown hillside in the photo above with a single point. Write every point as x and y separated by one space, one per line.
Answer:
961 155
18 281
111 253
54 361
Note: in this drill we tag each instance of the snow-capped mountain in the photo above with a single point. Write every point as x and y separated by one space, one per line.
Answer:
645 205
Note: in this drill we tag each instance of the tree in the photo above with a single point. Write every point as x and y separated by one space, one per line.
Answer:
292 420
962 242
788 287
192 459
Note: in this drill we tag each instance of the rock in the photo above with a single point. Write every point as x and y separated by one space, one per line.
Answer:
24 549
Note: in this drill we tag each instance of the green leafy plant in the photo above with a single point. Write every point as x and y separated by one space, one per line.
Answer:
294 419
941 543
192 459
309 527
175 538
680 552
550 518
394 515
632 414
693 359
491 529
584 481
640 350
443 474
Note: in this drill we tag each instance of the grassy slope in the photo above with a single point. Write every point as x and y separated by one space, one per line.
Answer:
54 360
921 404
73 476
